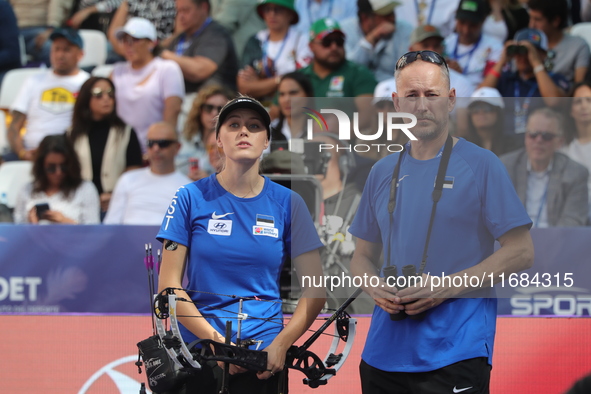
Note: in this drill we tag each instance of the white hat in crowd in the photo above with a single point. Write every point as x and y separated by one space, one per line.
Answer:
138 28
488 95
383 91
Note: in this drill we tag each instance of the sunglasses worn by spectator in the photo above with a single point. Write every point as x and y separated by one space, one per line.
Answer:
426 56
161 143
208 108
98 93
545 135
52 168
327 41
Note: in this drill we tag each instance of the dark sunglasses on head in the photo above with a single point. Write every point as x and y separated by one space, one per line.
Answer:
161 143
98 92
426 56
52 168
545 135
208 108
327 41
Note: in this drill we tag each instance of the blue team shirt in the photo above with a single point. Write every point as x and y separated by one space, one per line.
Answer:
237 246
478 205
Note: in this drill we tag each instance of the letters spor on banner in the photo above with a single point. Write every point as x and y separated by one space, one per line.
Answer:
316 370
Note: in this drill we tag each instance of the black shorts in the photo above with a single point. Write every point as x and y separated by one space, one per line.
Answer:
470 376
209 381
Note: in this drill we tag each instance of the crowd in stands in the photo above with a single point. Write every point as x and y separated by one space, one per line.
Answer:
120 143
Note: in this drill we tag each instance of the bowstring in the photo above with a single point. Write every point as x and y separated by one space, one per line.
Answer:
267 319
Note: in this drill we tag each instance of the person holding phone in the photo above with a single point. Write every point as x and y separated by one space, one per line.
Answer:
57 195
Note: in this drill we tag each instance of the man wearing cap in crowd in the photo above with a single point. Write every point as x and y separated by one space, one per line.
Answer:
275 51
376 38
528 48
332 75
472 51
204 50
551 186
46 100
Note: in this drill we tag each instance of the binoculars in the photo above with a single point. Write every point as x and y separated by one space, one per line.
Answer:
408 271
516 50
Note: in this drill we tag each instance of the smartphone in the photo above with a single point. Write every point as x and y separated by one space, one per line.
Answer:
41 209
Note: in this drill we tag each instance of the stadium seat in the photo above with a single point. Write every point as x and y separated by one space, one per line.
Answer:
582 30
13 176
12 82
95 48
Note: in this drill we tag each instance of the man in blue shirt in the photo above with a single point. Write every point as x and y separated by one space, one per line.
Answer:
446 343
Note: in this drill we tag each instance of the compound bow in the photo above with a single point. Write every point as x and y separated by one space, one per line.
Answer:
189 357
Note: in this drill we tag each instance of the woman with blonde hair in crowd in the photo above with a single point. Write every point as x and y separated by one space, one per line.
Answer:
192 160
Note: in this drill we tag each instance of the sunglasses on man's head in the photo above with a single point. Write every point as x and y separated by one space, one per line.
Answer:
52 168
327 41
208 108
545 135
426 56
161 143
98 92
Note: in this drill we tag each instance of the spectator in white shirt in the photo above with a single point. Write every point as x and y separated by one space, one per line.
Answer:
142 196
472 52
46 100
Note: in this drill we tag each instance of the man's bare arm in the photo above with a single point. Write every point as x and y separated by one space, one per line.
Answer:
14 133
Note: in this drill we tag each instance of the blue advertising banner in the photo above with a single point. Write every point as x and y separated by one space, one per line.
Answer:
79 269
100 269
559 283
